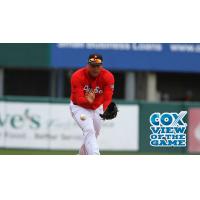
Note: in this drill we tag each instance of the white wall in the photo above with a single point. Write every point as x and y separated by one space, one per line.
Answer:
50 126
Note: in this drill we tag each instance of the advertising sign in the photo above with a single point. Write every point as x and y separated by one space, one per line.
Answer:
163 128
168 129
129 56
194 130
50 126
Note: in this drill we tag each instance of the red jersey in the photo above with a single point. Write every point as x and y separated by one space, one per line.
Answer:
102 85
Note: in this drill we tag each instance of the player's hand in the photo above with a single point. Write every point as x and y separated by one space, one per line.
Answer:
90 97
110 112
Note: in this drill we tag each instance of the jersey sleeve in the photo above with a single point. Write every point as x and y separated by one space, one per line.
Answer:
78 91
108 90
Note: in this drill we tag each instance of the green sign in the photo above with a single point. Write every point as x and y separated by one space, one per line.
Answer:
146 109
24 55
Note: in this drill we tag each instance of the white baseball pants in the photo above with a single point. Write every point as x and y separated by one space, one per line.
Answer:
90 127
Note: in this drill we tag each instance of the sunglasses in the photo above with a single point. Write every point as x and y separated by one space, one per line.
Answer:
95 61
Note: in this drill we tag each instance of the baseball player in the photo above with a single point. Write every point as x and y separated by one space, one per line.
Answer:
91 95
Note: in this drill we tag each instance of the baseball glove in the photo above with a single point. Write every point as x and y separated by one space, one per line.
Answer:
110 112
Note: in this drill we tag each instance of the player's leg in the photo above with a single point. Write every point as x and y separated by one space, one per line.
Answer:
97 120
82 150
87 126
74 109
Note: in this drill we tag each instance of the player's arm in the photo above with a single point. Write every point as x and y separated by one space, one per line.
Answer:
78 91
108 90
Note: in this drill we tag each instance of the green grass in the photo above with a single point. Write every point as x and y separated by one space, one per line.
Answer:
56 152
64 152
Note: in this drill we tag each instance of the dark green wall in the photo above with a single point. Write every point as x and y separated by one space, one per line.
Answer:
24 55
146 109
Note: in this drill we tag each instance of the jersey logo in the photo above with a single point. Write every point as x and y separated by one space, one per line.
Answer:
97 90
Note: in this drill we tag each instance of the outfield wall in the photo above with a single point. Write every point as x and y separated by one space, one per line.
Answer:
35 124
46 123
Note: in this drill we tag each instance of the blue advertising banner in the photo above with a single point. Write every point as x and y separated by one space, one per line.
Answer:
130 56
